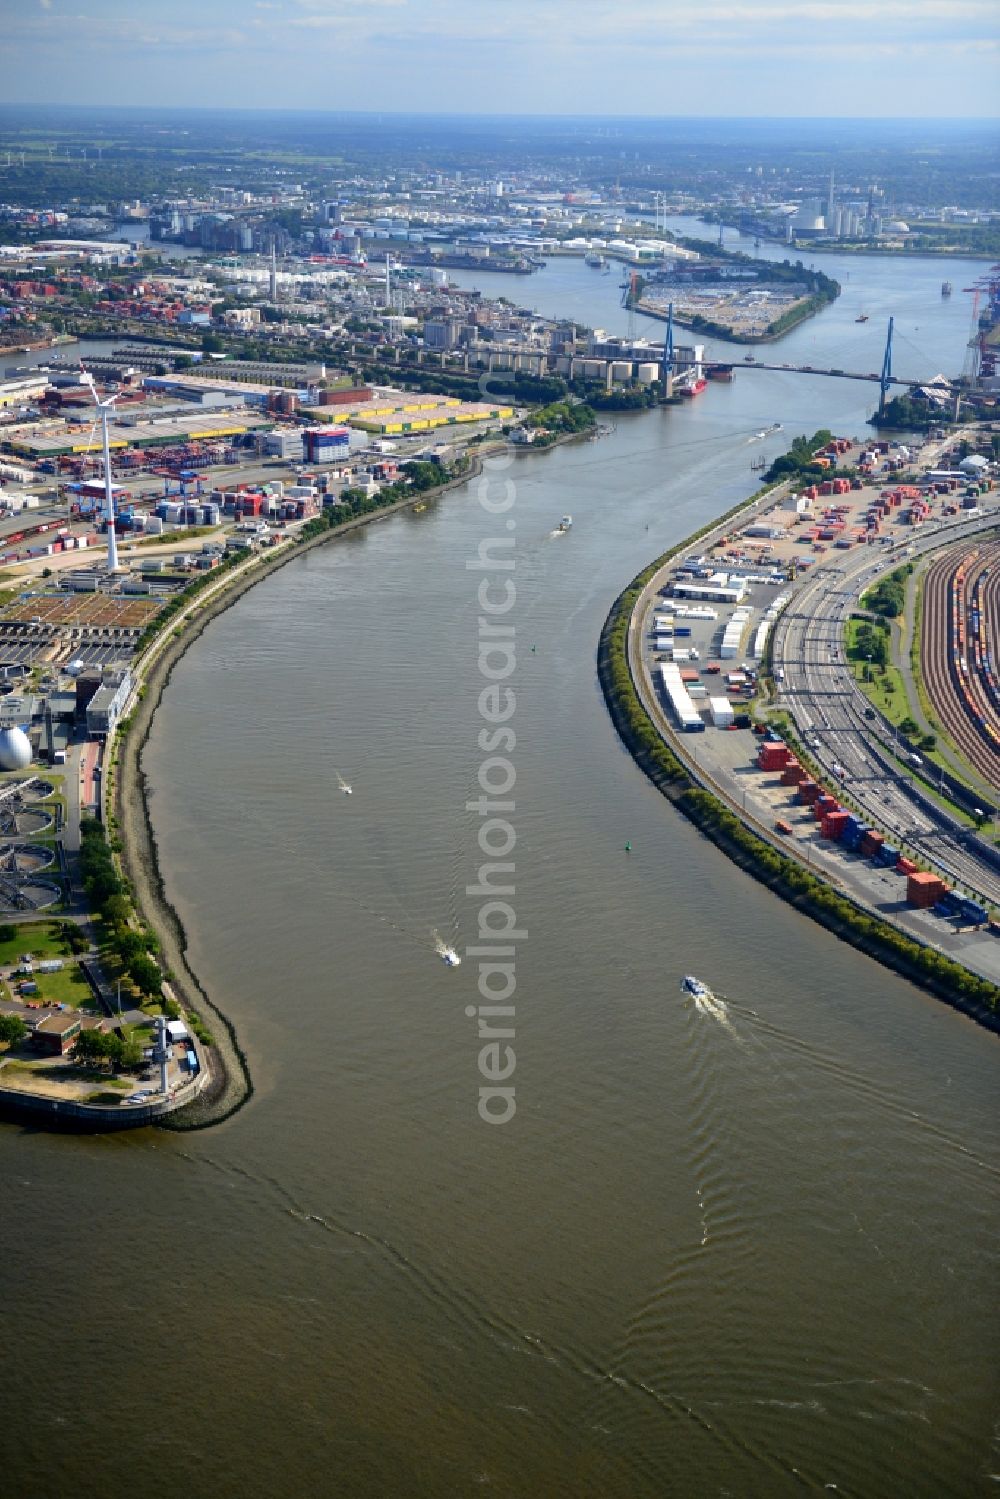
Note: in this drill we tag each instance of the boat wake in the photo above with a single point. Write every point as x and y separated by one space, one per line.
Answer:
707 1003
445 952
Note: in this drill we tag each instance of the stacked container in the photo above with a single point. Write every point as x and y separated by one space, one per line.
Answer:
834 824
923 889
772 755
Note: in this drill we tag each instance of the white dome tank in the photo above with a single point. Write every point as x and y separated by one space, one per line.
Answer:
15 749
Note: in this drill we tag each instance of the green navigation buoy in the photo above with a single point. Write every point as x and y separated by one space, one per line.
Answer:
628 848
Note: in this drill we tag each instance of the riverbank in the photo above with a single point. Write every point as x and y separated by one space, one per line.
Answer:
703 804
231 1082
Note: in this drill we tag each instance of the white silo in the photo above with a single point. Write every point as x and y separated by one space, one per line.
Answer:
15 748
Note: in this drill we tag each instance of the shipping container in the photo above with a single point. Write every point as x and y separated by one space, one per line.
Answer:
924 890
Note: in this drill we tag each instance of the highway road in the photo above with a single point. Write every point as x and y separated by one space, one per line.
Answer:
829 708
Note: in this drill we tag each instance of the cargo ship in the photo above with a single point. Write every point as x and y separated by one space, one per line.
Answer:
693 390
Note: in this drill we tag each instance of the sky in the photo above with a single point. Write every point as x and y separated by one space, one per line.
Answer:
864 58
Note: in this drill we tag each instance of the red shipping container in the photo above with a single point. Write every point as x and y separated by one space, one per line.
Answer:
772 756
905 866
871 843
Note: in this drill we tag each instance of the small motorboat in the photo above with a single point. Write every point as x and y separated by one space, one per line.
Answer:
695 987
566 523
450 957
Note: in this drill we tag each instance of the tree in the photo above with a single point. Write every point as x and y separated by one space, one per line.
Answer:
8 932
131 1054
90 1046
12 1029
117 910
145 973
129 946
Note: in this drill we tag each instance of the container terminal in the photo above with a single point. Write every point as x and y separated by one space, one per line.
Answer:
748 632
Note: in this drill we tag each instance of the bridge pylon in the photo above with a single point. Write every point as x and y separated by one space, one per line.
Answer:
885 380
668 351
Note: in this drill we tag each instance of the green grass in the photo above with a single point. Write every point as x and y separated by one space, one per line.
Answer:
41 939
177 538
67 987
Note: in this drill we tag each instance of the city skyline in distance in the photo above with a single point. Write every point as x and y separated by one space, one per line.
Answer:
725 58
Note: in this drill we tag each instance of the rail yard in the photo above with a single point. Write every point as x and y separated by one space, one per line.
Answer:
960 637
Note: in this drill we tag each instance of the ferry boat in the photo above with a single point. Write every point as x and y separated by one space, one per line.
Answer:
862 317
597 261
566 523
695 987
946 288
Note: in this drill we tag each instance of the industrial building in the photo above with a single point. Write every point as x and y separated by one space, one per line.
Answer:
105 707
57 438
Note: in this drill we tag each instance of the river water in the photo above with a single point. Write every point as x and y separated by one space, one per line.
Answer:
739 1250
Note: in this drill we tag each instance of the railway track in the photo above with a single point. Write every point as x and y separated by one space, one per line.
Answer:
961 597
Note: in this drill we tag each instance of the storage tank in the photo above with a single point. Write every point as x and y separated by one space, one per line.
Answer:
15 749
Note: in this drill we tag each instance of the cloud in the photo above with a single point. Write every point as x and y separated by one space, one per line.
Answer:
648 57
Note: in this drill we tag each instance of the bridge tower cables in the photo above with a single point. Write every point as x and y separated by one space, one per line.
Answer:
886 377
668 351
